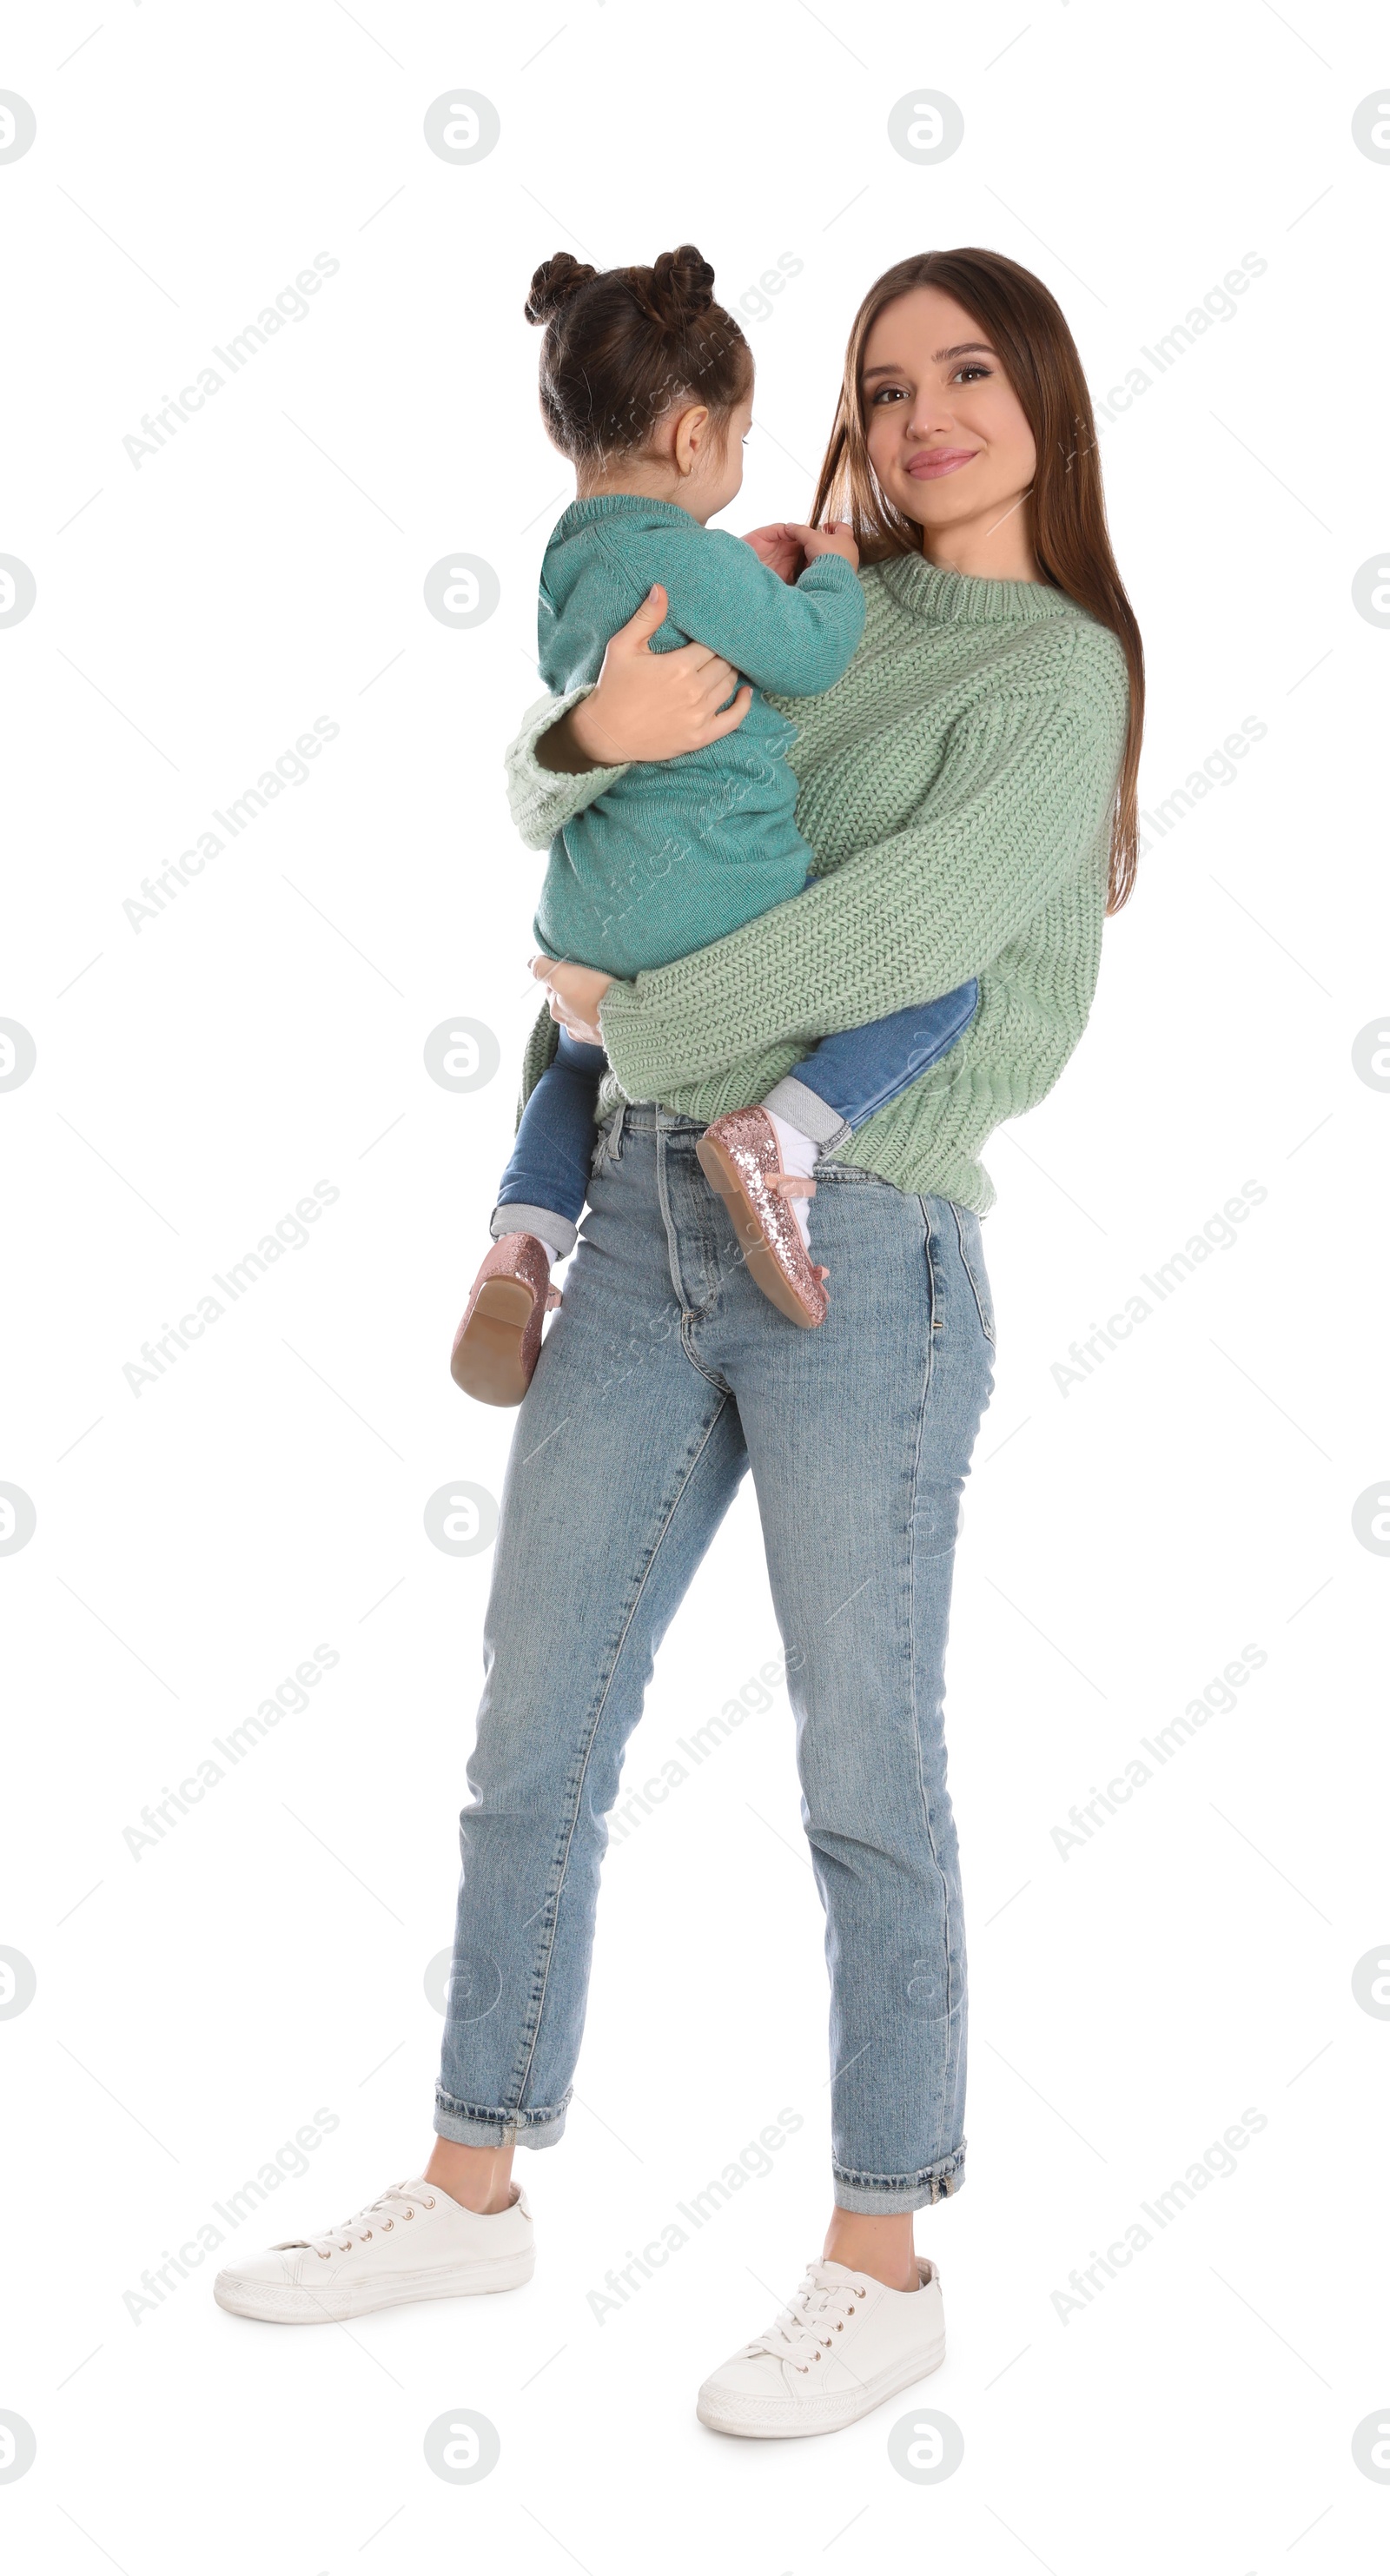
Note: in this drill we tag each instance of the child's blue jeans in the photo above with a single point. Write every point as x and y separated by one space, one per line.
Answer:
835 1088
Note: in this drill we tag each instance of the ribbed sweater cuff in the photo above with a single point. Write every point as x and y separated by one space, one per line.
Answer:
829 572
543 801
634 1043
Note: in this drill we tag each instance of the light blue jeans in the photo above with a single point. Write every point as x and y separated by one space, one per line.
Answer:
666 1374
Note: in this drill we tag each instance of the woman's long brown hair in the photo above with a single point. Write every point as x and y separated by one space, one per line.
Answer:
1066 506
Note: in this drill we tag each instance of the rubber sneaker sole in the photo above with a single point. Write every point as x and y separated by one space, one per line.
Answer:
284 2304
778 2419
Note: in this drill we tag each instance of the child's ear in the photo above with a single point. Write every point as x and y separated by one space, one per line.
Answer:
689 439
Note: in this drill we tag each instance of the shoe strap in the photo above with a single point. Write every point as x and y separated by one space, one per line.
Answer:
794 1185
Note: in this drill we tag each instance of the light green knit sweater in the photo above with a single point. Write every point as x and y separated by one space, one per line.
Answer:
956 791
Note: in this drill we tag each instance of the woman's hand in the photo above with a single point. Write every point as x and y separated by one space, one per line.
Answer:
647 706
575 994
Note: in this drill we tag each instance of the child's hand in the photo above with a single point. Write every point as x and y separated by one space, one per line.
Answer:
575 994
833 539
779 547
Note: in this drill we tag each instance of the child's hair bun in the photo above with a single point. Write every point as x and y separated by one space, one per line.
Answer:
633 341
682 285
555 281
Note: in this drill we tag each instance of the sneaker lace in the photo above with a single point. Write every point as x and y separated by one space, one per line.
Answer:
400 2200
819 2309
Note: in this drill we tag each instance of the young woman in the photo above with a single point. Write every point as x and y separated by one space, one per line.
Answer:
968 793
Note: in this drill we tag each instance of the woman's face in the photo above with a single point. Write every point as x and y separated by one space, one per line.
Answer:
946 432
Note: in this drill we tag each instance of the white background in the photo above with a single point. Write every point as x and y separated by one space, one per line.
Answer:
1124 1539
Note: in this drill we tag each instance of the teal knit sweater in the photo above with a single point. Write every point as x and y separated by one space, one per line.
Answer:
676 852
956 789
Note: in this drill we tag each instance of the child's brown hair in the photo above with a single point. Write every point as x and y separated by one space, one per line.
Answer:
622 345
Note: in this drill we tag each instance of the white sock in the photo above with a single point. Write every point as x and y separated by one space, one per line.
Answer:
799 1153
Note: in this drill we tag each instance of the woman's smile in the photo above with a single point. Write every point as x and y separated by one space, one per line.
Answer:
932 462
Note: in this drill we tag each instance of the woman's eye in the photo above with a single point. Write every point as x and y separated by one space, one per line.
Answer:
970 374
889 393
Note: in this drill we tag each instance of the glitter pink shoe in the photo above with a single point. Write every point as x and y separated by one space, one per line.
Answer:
498 1342
739 1156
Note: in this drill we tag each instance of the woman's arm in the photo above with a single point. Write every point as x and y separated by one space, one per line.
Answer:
546 793
1027 783
643 706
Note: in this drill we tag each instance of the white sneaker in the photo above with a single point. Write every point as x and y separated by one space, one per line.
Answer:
843 2344
415 2242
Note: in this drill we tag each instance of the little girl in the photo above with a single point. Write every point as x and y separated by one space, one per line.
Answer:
647 386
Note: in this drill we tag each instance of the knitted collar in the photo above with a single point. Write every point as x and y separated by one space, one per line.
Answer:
617 505
959 598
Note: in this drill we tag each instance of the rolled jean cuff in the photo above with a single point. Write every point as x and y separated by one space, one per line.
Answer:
880 2195
555 1232
801 1107
469 2125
